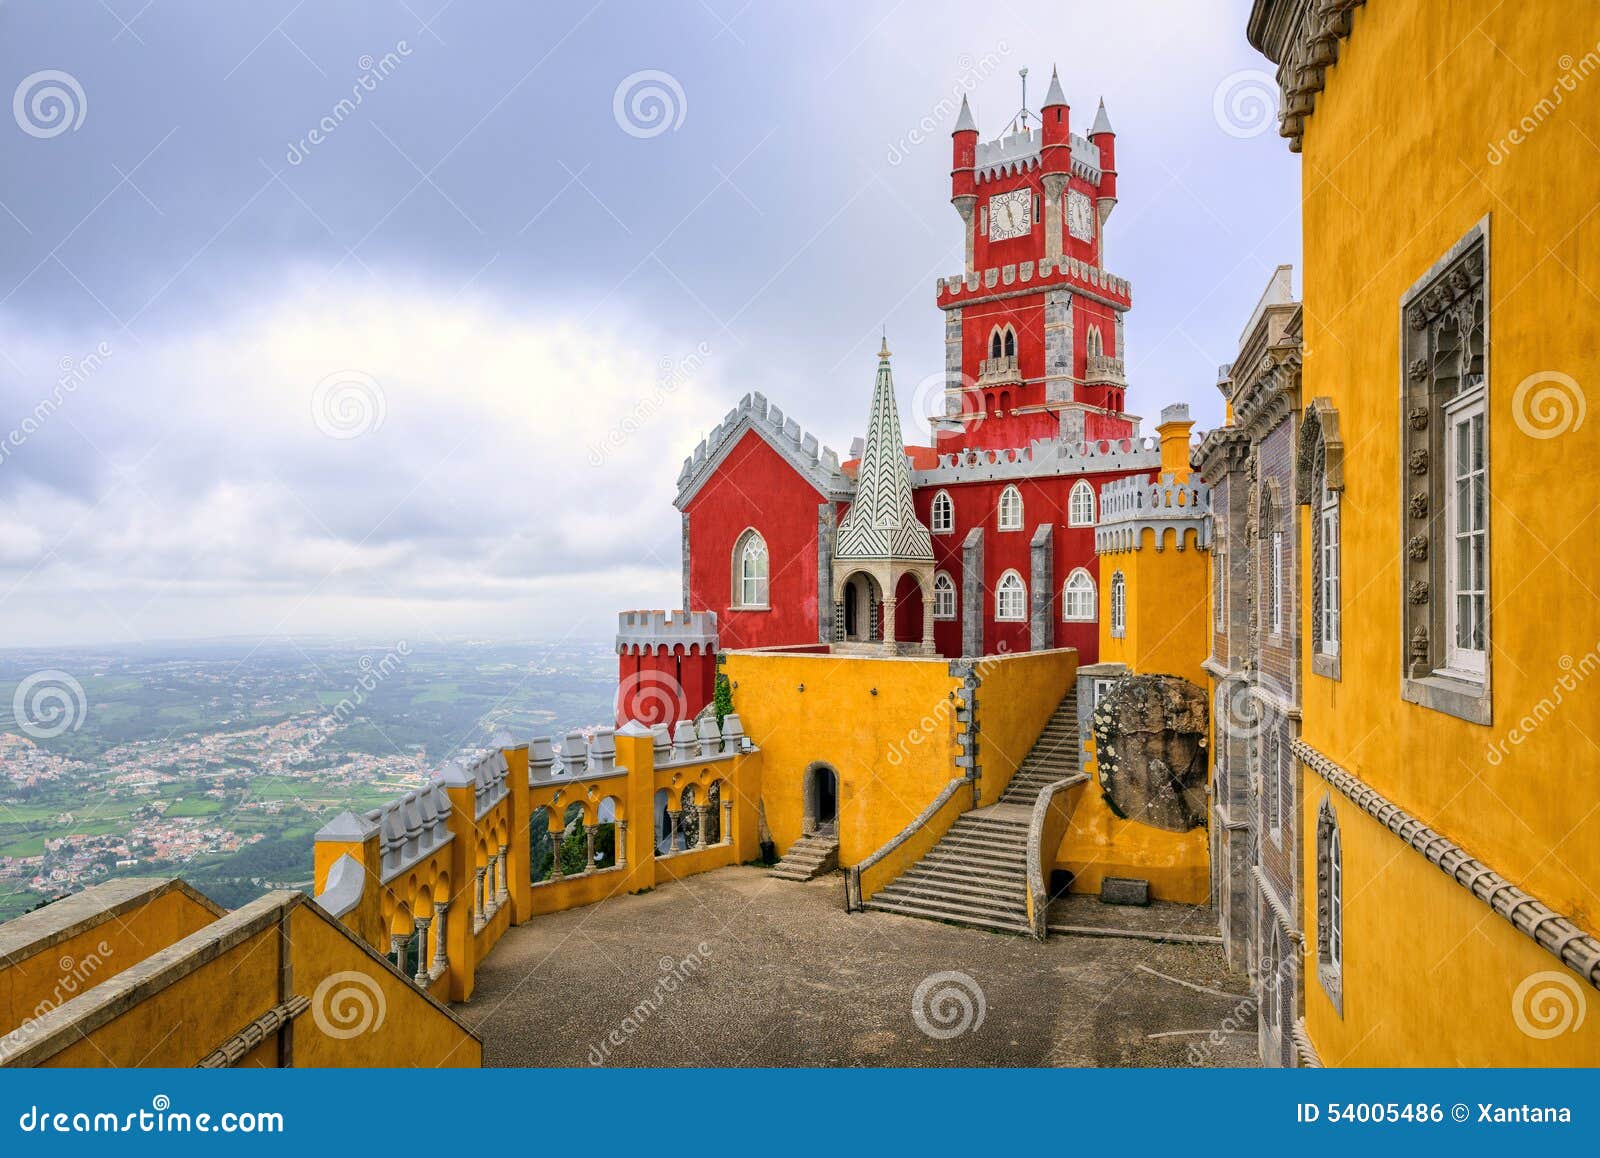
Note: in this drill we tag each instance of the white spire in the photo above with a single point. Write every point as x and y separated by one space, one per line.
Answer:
1054 95
881 522
1102 123
964 122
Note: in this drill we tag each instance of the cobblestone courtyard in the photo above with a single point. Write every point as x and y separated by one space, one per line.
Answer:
734 968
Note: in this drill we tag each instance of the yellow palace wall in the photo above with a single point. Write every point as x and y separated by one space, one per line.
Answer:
1394 174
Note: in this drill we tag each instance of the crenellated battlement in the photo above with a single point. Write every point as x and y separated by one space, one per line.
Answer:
817 462
658 632
1130 506
1021 151
1042 459
1045 273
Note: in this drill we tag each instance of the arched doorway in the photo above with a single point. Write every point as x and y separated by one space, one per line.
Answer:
863 599
909 608
821 797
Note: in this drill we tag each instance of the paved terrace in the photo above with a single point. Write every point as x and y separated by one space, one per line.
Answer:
786 977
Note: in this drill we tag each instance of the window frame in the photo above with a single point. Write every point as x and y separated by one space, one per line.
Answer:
1119 605
1002 523
1092 591
1081 488
741 547
1330 904
1004 587
955 597
948 524
1469 411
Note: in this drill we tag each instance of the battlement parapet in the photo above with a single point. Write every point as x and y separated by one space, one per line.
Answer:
1046 273
1020 152
409 829
817 462
1044 458
1129 506
653 632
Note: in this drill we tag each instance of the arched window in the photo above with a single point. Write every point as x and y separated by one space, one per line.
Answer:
1319 481
1011 598
943 520
1078 598
1119 605
1011 343
944 597
1330 904
1094 343
1080 505
750 571
995 344
1011 509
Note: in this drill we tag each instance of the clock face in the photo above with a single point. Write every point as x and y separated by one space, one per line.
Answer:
1080 216
1010 215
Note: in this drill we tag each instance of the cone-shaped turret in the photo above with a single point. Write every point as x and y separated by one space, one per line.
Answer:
1102 123
1053 95
882 522
1055 153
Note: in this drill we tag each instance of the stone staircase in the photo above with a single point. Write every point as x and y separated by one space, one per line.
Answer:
810 856
978 872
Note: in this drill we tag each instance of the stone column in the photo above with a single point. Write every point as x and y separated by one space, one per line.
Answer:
1055 184
590 831
727 820
397 946
421 975
622 844
888 623
555 843
703 812
927 616
441 958
503 893
674 825
477 898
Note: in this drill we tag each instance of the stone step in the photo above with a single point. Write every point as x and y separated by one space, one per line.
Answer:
1008 866
955 903
968 870
986 841
983 889
935 912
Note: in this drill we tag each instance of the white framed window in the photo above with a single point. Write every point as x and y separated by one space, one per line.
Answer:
1328 578
750 566
1219 597
1119 605
1467 537
944 596
943 516
1078 598
1277 583
1330 904
1011 598
1011 509
1080 505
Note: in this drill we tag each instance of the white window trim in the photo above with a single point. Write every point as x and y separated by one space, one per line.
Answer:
1329 576
1001 521
1066 598
1467 664
1277 583
740 545
999 605
955 597
1079 488
1119 605
934 524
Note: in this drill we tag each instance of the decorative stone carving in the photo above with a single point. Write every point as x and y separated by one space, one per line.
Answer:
1150 733
1417 547
1419 418
1419 505
1417 591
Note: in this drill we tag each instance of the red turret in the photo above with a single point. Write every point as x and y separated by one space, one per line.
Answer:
1055 155
963 182
1104 138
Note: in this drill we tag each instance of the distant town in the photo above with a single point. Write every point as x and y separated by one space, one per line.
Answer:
220 759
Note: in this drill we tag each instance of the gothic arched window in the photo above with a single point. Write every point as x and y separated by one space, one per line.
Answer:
1011 343
1119 606
1078 598
1011 509
1330 904
944 596
943 519
1011 598
1080 505
750 570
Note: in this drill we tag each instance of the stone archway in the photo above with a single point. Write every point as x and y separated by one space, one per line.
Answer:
820 787
861 602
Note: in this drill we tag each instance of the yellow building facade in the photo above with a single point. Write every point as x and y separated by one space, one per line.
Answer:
1449 750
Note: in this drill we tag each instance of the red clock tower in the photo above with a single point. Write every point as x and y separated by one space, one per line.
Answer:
1033 326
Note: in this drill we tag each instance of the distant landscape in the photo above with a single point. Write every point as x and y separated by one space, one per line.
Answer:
219 760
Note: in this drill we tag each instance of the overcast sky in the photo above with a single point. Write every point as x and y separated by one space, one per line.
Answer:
431 370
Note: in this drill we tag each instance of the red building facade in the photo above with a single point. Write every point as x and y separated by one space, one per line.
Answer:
1034 422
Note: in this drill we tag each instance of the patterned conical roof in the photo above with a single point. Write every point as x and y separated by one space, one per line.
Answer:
881 522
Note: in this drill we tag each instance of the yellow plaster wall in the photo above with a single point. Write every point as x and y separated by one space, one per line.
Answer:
893 751
957 799
57 973
1394 173
1016 698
